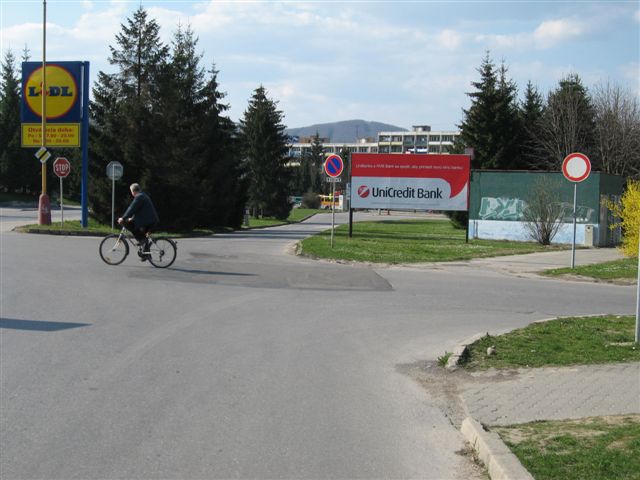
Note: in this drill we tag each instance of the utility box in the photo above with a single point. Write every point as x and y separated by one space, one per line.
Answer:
591 235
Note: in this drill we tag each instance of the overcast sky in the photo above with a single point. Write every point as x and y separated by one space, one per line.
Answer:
400 62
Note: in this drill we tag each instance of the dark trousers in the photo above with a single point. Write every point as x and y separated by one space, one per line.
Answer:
139 233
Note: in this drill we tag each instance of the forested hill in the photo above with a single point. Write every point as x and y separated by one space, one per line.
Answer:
346 131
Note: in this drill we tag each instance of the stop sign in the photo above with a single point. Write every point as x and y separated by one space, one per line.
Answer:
61 167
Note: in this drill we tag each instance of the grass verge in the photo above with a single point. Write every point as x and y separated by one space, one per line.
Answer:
96 228
624 269
296 215
602 448
565 341
410 241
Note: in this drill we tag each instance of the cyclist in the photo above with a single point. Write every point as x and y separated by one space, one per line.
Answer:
139 218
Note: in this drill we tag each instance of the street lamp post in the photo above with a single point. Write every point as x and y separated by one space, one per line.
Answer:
44 205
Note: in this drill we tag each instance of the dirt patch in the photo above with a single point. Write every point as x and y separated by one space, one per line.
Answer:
545 432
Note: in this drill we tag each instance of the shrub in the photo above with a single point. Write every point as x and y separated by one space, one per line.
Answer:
543 214
311 200
628 210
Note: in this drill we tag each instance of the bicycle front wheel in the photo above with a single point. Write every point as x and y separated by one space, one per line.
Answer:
163 252
114 249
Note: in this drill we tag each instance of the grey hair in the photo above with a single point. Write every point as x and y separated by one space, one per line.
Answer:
135 187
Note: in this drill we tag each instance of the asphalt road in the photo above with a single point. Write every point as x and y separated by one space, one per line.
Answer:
242 361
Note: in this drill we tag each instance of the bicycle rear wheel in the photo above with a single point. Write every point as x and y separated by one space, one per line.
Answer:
114 249
163 252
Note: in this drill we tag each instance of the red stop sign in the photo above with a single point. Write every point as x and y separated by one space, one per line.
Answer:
61 167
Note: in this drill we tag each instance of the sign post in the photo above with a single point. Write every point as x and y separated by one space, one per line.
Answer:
638 296
114 172
62 168
333 167
576 167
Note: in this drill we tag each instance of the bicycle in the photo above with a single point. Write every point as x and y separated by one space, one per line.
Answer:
114 249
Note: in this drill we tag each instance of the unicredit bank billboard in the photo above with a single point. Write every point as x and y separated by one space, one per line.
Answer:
412 182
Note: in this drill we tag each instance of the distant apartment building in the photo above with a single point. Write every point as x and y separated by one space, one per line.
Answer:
419 140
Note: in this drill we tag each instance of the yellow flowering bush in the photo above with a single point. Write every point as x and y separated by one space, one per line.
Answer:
628 210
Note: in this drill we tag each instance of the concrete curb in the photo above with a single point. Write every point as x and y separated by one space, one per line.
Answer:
460 351
501 463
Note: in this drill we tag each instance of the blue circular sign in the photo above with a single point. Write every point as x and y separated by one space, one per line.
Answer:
333 166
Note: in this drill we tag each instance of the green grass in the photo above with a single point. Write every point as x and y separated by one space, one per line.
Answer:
410 241
626 268
97 228
296 215
564 341
599 448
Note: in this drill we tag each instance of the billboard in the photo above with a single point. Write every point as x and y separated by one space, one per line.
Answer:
63 104
410 182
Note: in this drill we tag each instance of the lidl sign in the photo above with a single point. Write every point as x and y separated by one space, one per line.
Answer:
63 105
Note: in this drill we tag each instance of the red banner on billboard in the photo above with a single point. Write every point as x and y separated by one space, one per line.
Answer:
416 182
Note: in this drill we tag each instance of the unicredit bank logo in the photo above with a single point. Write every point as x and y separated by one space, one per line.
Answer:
363 191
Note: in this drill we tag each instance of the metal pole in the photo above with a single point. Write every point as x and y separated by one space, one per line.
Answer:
333 209
44 204
85 145
113 197
61 203
573 245
638 296
43 140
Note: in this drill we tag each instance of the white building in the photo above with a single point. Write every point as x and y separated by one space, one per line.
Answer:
419 140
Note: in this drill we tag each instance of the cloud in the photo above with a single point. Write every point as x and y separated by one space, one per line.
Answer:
449 39
548 34
553 32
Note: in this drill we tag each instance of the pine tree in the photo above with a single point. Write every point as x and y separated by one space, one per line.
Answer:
531 113
19 170
491 126
315 164
122 113
264 147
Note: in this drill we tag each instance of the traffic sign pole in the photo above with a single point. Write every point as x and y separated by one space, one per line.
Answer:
573 244
113 199
638 296
61 204
576 167
333 210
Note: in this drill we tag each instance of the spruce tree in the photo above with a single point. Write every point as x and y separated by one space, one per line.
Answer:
124 114
531 113
490 125
316 162
264 149
19 169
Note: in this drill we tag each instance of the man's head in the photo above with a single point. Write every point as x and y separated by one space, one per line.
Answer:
135 189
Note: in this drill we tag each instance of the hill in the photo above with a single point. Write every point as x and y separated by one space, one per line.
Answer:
346 131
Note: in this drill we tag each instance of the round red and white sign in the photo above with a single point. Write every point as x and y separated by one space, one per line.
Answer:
61 167
576 167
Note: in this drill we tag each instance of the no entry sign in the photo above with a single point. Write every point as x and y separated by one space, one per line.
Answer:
576 167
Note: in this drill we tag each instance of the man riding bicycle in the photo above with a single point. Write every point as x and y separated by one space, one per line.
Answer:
139 218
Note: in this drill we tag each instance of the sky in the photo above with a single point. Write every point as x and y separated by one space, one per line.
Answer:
399 62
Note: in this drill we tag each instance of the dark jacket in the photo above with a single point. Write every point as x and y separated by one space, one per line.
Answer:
142 210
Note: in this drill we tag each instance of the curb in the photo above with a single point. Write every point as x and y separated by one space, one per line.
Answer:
460 351
501 463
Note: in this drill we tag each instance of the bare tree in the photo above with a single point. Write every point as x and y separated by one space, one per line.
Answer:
544 211
617 132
